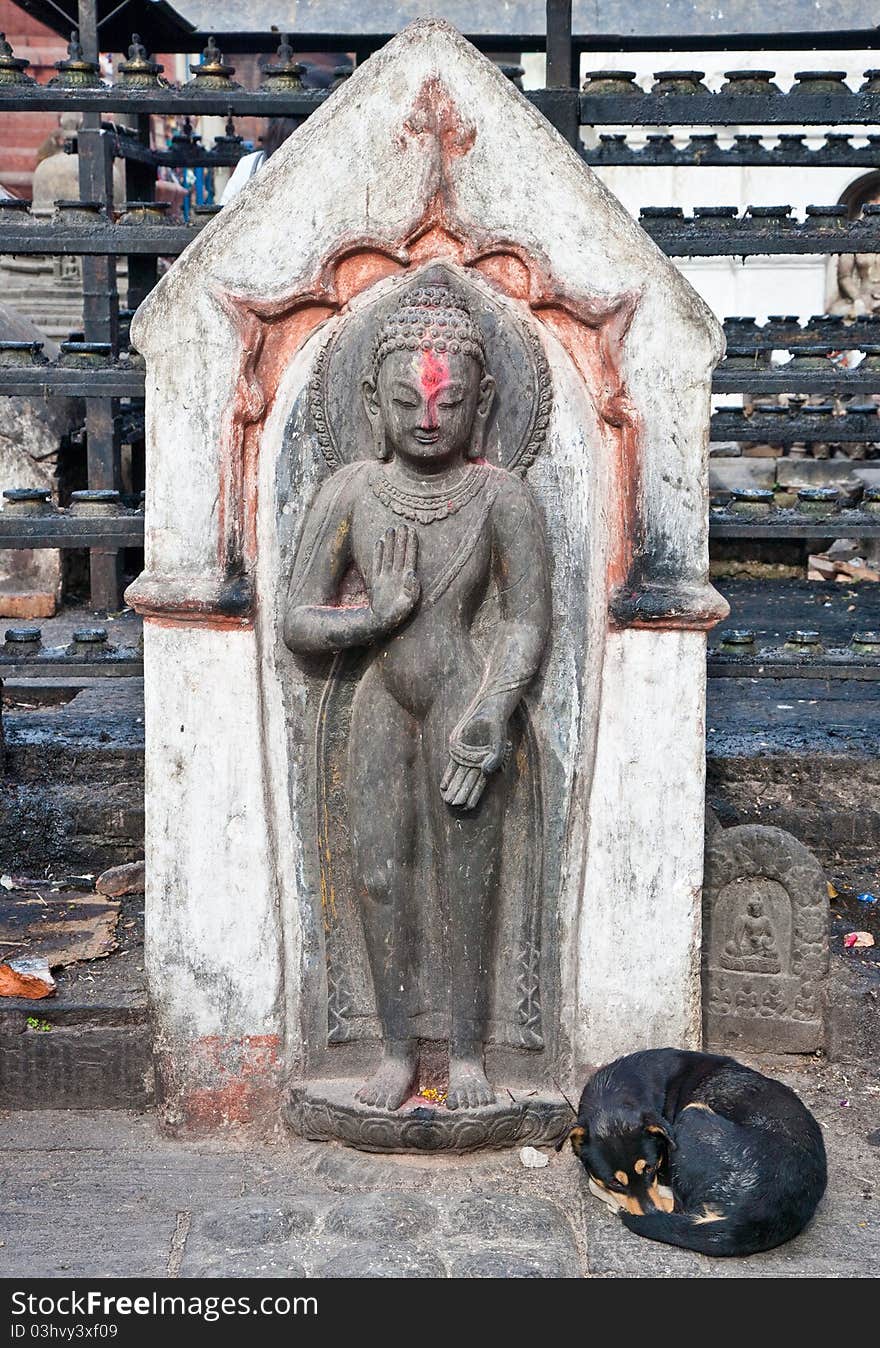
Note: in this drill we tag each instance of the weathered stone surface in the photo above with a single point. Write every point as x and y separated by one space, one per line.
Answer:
753 451
72 797
506 1216
852 1011
765 943
62 928
457 168
22 601
124 1241
512 1263
247 1223
376 1261
88 1067
796 473
119 880
249 1238
56 178
264 1261
732 474
47 291
381 1217
867 473
121 1193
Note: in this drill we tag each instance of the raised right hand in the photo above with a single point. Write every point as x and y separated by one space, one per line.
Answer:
395 587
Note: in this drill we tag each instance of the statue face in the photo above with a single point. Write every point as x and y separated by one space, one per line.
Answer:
427 402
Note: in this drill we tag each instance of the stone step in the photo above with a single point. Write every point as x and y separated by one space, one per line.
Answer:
103 1065
90 1045
71 795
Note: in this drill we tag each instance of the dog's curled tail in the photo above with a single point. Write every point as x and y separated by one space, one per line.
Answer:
707 1233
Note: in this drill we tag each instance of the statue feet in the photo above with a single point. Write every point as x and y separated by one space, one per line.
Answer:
393 1081
468 1085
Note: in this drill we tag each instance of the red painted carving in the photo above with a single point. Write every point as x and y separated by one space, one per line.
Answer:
436 116
436 122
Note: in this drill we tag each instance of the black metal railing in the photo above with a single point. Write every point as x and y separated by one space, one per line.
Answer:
827 402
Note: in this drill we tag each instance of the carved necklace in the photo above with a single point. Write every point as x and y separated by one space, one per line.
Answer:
425 507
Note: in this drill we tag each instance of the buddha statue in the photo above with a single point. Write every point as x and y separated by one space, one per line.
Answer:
858 276
430 527
752 947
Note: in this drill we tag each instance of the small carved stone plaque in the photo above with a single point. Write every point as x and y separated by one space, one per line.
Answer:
765 942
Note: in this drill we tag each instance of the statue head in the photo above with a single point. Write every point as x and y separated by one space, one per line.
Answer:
755 908
428 394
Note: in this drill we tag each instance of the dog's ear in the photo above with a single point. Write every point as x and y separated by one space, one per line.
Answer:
655 1123
577 1133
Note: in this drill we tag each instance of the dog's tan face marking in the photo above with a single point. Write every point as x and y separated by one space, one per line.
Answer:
641 1166
621 1176
655 1128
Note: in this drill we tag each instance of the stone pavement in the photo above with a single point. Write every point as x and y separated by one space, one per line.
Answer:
104 1194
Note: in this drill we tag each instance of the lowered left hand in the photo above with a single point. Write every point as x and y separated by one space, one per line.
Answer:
477 747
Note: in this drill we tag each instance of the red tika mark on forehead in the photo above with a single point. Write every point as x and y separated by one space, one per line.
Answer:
433 373
433 377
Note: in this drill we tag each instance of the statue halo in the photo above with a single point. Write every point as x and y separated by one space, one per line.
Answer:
507 347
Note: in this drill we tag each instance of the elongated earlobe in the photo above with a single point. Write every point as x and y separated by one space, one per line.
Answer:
477 446
374 413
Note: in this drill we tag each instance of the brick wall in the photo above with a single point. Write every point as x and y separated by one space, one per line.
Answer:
22 133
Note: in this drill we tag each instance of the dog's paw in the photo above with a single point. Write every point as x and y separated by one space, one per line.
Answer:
666 1198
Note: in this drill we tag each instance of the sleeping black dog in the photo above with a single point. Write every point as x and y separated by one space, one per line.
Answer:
699 1151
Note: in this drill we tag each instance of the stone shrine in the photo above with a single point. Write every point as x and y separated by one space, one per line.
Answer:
425 607
765 942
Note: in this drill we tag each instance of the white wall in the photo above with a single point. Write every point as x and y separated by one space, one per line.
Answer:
754 286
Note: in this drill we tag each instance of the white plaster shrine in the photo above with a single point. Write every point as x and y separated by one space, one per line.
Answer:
426 153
